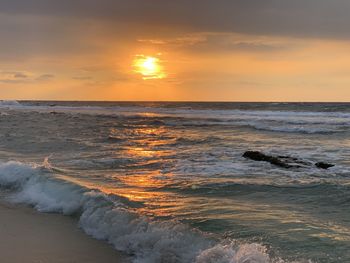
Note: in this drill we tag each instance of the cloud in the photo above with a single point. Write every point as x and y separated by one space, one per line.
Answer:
20 77
25 37
313 18
45 77
13 76
184 40
221 42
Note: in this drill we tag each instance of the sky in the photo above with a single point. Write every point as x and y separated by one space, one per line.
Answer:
175 50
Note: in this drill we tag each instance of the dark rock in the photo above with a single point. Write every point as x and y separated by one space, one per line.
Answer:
323 165
283 161
261 157
294 160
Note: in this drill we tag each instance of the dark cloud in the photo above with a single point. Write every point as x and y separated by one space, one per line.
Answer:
19 77
10 77
14 74
32 36
45 77
313 18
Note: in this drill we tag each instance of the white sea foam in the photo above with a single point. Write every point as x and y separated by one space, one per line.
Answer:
7 103
287 128
277 121
106 217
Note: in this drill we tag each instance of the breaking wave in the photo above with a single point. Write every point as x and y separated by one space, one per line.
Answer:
114 219
7 103
304 122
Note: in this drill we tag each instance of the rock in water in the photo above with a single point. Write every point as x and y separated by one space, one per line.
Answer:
283 161
261 157
323 165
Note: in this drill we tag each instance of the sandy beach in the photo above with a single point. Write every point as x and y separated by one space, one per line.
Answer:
32 237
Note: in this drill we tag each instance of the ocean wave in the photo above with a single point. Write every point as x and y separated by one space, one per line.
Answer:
304 122
303 129
337 194
195 141
7 103
147 111
110 218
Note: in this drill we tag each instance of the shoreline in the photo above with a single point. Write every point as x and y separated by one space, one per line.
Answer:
33 237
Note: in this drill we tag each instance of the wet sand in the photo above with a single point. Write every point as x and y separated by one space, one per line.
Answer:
33 237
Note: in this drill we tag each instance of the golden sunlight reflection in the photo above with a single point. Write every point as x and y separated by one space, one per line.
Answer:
149 67
149 146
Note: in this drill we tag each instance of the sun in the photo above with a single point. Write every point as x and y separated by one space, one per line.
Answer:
149 67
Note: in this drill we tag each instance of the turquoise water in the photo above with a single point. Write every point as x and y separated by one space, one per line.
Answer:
175 176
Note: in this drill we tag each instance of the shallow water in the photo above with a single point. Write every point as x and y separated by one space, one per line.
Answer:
166 182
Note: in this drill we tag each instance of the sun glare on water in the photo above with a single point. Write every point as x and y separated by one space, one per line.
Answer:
149 67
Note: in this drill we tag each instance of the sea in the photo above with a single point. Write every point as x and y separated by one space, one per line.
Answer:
166 181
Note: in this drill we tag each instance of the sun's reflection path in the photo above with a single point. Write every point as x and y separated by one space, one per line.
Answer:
150 147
